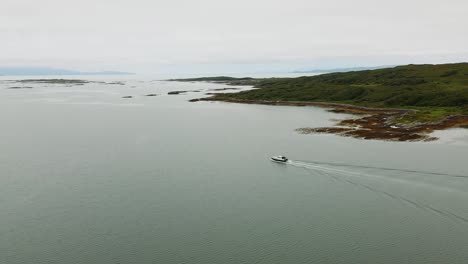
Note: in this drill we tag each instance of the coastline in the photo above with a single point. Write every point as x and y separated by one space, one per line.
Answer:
369 123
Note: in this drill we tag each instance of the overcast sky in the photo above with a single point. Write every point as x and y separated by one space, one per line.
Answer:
153 36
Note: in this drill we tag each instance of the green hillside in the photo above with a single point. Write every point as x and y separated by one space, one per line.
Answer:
436 90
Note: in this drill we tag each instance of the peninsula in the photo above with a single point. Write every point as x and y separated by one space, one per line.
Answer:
403 103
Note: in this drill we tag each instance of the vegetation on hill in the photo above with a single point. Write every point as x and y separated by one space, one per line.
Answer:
435 90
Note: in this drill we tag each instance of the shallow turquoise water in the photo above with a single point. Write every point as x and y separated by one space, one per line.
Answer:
89 177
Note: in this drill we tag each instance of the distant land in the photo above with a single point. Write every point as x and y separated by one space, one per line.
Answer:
343 69
25 71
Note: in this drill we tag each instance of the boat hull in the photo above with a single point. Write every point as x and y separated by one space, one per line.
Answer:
278 160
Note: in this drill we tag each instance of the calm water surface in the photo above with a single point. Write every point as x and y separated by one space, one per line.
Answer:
87 176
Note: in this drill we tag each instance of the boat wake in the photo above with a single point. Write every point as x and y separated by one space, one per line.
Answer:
349 174
380 168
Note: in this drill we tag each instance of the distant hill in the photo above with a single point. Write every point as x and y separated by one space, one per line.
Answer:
212 79
25 71
221 79
342 69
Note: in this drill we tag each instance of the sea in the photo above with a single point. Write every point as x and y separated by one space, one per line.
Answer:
98 172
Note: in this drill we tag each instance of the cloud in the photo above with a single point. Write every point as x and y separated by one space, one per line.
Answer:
142 35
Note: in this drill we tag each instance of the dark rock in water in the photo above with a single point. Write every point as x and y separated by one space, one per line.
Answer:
176 92
20 87
151 95
224 89
128 96
180 92
54 81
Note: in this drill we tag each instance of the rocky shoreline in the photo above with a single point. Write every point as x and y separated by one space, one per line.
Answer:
370 123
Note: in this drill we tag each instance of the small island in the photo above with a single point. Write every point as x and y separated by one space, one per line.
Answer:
403 103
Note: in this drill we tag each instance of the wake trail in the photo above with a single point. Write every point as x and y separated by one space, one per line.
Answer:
413 182
327 172
383 168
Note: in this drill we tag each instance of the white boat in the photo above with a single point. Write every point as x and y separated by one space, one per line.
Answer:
281 159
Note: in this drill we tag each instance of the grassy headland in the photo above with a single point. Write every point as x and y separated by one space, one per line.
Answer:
430 93
435 90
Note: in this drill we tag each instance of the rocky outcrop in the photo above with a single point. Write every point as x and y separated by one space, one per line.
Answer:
374 123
